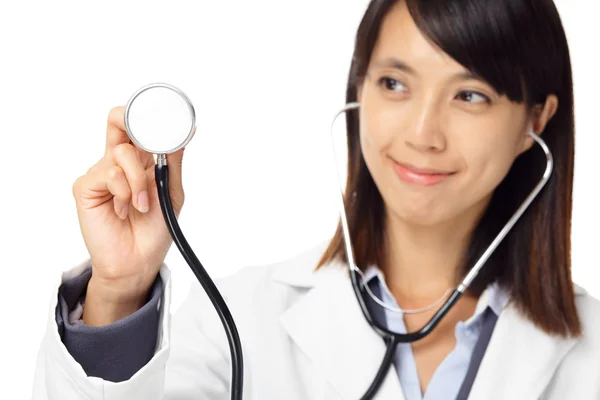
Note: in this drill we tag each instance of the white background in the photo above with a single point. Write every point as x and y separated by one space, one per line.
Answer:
266 77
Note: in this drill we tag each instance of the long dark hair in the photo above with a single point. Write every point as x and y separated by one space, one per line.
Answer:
520 48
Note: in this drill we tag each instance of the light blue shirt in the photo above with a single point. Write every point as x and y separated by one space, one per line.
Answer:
448 377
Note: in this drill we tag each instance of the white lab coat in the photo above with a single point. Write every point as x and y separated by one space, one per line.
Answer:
305 338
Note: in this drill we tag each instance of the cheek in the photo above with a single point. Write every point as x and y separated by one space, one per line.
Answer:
490 144
376 132
372 142
487 163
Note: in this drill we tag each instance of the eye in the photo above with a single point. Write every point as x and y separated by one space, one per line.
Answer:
470 96
390 84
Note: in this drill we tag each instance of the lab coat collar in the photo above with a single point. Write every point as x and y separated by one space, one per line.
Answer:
328 326
326 323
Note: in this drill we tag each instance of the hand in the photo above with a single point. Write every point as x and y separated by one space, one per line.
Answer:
122 223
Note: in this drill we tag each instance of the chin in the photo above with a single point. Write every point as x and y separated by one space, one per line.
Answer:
419 217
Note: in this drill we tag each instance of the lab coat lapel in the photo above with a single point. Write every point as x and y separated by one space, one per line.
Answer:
328 326
519 361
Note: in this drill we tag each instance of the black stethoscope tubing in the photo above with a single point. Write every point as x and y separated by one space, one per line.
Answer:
161 171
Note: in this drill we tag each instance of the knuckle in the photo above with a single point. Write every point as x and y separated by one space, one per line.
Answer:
114 173
123 150
128 160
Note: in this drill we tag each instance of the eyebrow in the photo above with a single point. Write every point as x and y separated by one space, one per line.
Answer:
403 66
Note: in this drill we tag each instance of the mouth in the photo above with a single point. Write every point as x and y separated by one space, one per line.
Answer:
423 176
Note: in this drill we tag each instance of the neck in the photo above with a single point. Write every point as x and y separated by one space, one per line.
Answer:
423 262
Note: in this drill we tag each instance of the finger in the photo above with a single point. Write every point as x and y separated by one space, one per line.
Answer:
175 162
125 156
116 134
117 185
92 185
145 158
115 129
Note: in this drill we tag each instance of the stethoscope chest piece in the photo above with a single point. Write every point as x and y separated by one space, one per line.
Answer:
160 118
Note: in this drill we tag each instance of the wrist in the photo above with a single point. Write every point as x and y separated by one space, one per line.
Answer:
106 303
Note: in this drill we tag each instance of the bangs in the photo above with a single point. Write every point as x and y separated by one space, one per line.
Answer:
487 37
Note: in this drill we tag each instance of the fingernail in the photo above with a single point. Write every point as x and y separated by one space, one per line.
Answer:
143 202
124 210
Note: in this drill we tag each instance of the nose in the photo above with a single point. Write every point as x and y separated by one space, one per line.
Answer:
425 133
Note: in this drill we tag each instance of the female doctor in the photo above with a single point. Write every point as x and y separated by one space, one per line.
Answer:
439 158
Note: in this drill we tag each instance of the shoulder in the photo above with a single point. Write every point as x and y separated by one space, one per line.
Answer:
587 346
579 370
588 308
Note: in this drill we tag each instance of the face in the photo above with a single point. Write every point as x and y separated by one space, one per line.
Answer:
436 139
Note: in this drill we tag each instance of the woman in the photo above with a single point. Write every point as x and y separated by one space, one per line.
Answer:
439 159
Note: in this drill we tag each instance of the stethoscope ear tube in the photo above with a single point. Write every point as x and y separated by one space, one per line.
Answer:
161 171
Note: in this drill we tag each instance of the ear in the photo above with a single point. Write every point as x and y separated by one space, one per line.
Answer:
540 115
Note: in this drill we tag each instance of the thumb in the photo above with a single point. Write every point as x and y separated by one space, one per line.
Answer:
175 162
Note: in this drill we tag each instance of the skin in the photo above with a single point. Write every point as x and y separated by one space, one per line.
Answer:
433 117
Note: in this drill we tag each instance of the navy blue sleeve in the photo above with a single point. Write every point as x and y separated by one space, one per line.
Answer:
114 352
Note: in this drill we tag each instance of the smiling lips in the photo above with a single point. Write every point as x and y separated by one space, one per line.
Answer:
420 176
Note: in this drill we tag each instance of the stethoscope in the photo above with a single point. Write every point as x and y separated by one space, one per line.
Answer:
160 119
